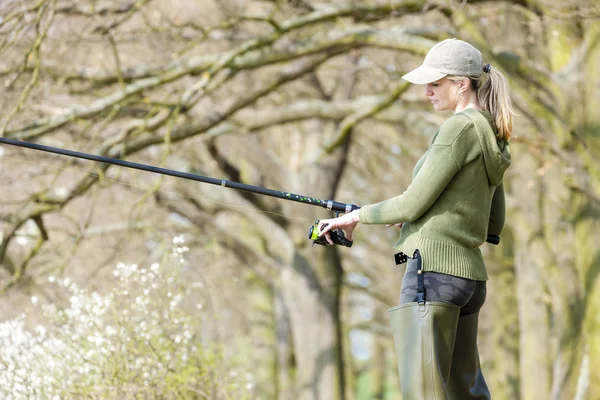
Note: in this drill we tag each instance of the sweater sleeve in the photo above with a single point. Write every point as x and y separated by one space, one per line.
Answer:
497 212
444 160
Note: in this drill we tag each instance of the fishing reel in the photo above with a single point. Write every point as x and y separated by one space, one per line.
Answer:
337 236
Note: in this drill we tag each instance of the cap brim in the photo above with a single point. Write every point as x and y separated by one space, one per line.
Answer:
423 75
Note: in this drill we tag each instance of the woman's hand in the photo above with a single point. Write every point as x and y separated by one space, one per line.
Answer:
346 222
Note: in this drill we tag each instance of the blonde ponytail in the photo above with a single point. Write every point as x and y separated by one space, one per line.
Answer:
494 97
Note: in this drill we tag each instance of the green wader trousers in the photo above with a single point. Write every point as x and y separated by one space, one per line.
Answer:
436 349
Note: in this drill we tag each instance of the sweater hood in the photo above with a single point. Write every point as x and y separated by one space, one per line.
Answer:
496 152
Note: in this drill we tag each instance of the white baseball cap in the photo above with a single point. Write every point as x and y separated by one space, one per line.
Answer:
449 57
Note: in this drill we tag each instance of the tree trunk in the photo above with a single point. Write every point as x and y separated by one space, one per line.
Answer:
499 326
284 380
311 289
378 367
532 299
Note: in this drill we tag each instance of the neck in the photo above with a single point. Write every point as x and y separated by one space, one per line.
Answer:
467 100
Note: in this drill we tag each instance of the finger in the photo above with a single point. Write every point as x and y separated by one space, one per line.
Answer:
328 238
324 228
349 234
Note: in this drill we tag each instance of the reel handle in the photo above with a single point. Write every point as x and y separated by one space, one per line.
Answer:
337 236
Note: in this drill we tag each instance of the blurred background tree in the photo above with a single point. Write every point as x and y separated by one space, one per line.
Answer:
306 97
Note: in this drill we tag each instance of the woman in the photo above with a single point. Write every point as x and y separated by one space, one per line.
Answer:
455 200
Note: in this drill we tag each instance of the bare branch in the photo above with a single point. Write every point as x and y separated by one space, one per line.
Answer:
396 91
114 228
93 9
288 74
249 120
336 41
19 13
103 30
19 271
394 38
30 211
88 9
33 53
46 125
115 51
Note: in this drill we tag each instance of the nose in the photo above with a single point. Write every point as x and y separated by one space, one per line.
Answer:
428 90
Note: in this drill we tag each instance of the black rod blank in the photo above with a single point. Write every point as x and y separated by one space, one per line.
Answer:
328 204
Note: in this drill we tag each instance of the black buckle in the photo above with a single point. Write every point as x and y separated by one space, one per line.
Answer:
400 258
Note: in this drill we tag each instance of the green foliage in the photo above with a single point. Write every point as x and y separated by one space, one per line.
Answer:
141 340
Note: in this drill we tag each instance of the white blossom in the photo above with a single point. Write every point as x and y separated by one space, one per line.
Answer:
141 339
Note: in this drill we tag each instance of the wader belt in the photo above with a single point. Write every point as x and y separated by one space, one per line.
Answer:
401 258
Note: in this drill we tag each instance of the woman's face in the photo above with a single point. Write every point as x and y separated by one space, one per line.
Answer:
443 94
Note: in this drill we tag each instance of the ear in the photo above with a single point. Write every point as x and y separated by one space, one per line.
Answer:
464 84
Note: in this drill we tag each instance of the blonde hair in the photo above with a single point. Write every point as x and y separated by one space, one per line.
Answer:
494 97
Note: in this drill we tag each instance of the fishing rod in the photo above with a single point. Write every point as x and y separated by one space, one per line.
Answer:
337 235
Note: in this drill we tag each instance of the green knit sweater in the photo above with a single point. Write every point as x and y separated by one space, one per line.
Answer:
455 200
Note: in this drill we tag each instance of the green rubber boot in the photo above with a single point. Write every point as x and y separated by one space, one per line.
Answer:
466 380
424 337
